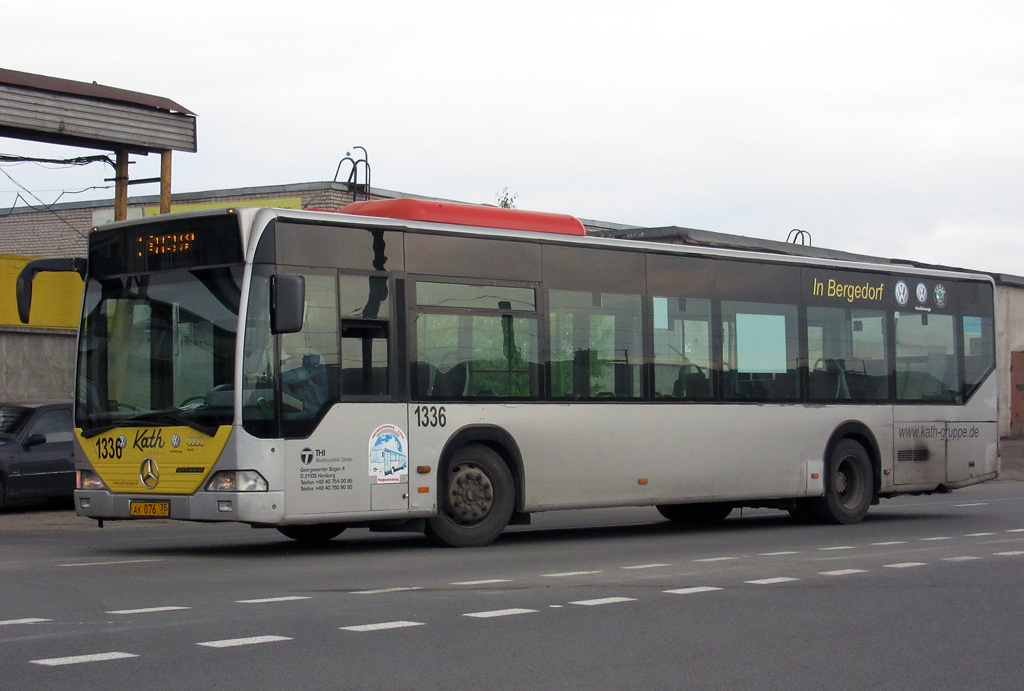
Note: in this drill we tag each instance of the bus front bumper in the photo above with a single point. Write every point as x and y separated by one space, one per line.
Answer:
246 507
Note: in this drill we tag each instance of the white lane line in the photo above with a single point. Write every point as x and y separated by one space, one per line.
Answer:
148 610
378 591
891 542
832 549
904 565
841 572
646 566
933 539
568 573
12 622
960 558
977 503
383 626
1015 553
78 659
772 581
717 559
603 601
486 581
251 640
499 613
265 600
111 563
692 591
775 554
978 534
1016 530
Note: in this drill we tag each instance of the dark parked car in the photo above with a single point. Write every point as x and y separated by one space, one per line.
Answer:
36 446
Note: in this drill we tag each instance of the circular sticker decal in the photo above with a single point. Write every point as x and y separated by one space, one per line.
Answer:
940 295
922 293
902 293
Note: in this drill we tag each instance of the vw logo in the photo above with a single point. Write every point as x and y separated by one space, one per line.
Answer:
149 473
307 456
902 293
922 293
175 440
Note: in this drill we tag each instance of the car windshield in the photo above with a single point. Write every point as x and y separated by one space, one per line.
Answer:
11 419
159 348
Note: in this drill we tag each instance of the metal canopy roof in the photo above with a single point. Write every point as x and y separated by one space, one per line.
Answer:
62 111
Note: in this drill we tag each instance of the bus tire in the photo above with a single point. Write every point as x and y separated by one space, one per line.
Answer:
312 534
3 494
695 514
475 498
848 486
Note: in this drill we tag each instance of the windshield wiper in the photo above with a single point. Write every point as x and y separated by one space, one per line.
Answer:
152 418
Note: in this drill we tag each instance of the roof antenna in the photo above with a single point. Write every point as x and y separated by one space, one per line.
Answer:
353 175
799 236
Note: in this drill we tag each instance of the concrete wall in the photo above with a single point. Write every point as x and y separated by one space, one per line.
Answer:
1009 338
36 364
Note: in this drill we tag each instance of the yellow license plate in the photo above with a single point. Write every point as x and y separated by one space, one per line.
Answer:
150 509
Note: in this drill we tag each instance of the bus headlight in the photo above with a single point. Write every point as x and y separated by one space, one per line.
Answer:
87 479
237 481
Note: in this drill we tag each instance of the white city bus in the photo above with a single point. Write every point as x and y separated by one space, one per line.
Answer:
310 371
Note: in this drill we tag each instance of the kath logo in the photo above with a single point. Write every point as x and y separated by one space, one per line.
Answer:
148 439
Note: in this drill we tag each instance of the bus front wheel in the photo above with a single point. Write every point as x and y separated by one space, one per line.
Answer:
312 534
848 486
475 498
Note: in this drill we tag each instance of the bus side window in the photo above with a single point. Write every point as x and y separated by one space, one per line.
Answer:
926 357
364 358
682 348
309 358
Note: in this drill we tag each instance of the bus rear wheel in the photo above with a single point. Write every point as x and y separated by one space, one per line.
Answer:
312 534
695 514
475 498
848 486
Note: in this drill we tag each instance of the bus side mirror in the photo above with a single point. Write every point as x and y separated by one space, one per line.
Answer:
23 288
287 303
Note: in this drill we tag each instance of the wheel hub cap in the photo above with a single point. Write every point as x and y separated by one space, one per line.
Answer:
470 495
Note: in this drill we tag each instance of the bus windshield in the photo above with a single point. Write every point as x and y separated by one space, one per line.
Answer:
158 348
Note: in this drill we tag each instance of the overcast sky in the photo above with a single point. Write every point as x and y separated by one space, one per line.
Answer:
889 128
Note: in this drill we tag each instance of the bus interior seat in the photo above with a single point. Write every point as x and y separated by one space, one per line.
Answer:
691 382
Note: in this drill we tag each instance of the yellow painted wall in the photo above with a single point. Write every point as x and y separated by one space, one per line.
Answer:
279 203
56 297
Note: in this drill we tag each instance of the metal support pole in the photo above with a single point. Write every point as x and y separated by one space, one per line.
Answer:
165 182
121 186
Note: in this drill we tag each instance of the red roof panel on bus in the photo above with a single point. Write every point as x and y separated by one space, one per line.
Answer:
467 215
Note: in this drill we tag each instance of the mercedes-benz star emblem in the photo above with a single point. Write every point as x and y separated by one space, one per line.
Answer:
149 473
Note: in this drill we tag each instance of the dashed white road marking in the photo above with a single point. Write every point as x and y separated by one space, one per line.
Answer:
378 591
960 558
977 503
603 601
772 581
933 539
1016 530
382 626
148 610
890 542
251 640
832 549
265 600
12 622
692 590
775 554
1014 553
646 566
112 563
78 659
565 574
709 559
904 565
499 613
485 581
978 534
841 572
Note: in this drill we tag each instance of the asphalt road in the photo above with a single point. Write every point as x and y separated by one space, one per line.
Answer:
925 594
